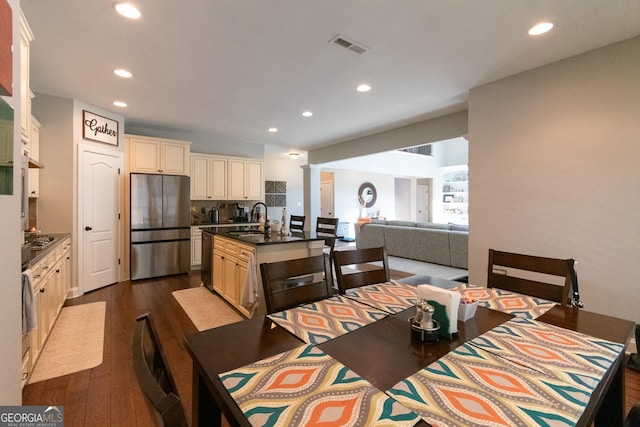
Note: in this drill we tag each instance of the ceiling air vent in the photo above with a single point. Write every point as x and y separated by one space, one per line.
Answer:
353 46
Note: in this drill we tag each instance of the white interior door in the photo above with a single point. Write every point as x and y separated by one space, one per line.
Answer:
99 189
423 199
326 199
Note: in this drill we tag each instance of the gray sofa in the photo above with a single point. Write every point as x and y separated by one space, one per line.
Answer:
444 244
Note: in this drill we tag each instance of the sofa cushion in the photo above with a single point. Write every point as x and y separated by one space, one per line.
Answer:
378 221
422 244
370 236
459 249
433 225
399 223
458 227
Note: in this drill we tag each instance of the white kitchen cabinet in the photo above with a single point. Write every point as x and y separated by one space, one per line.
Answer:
34 153
196 247
156 155
26 37
51 284
208 177
244 179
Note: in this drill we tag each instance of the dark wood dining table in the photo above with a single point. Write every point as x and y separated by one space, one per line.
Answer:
383 353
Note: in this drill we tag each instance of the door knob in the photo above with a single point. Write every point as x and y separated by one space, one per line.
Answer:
87 228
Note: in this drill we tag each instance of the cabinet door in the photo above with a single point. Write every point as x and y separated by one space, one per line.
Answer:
235 179
26 36
174 158
229 280
34 152
145 156
196 250
217 178
199 178
218 272
253 181
241 274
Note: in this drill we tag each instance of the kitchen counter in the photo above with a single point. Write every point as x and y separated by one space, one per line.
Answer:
39 253
236 254
252 236
225 224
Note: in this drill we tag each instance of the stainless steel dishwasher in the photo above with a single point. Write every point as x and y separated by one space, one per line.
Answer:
206 268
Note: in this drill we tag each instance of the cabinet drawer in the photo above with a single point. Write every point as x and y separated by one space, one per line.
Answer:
196 232
244 252
218 243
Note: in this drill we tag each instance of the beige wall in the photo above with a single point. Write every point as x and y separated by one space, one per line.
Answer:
554 159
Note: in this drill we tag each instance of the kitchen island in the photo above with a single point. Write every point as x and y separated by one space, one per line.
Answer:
236 254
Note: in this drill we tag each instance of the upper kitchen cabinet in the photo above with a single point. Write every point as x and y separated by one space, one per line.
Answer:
156 155
244 179
34 153
26 37
208 177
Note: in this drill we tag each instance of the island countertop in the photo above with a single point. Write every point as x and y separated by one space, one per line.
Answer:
252 236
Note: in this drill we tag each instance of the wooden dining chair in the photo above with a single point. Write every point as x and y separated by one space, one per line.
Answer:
327 227
293 282
296 223
154 377
531 275
360 267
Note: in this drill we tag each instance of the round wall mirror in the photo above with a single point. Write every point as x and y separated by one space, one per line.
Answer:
367 194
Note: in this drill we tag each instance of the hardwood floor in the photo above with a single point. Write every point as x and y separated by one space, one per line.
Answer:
108 395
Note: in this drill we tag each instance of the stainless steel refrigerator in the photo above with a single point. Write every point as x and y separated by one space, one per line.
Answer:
160 225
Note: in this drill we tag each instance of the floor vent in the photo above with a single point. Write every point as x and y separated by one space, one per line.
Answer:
353 46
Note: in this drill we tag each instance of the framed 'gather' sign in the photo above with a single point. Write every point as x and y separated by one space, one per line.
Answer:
98 128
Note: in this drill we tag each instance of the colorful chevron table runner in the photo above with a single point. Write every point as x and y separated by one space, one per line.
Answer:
392 297
506 301
472 387
305 387
574 357
323 320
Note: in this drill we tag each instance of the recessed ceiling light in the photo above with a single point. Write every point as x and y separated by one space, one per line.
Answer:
119 104
273 130
122 73
127 10
540 28
307 114
363 88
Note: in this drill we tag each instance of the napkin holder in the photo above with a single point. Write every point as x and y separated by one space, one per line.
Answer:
445 304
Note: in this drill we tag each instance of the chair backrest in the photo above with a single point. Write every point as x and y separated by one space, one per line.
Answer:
511 272
360 267
296 223
293 282
154 377
327 227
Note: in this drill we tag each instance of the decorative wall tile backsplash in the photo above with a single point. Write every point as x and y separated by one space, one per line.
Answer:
275 193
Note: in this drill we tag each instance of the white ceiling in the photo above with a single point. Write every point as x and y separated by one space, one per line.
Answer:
233 68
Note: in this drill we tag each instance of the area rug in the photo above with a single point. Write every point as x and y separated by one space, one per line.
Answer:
76 342
205 309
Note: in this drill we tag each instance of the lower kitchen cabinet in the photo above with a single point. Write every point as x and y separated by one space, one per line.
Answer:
230 267
196 247
51 285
